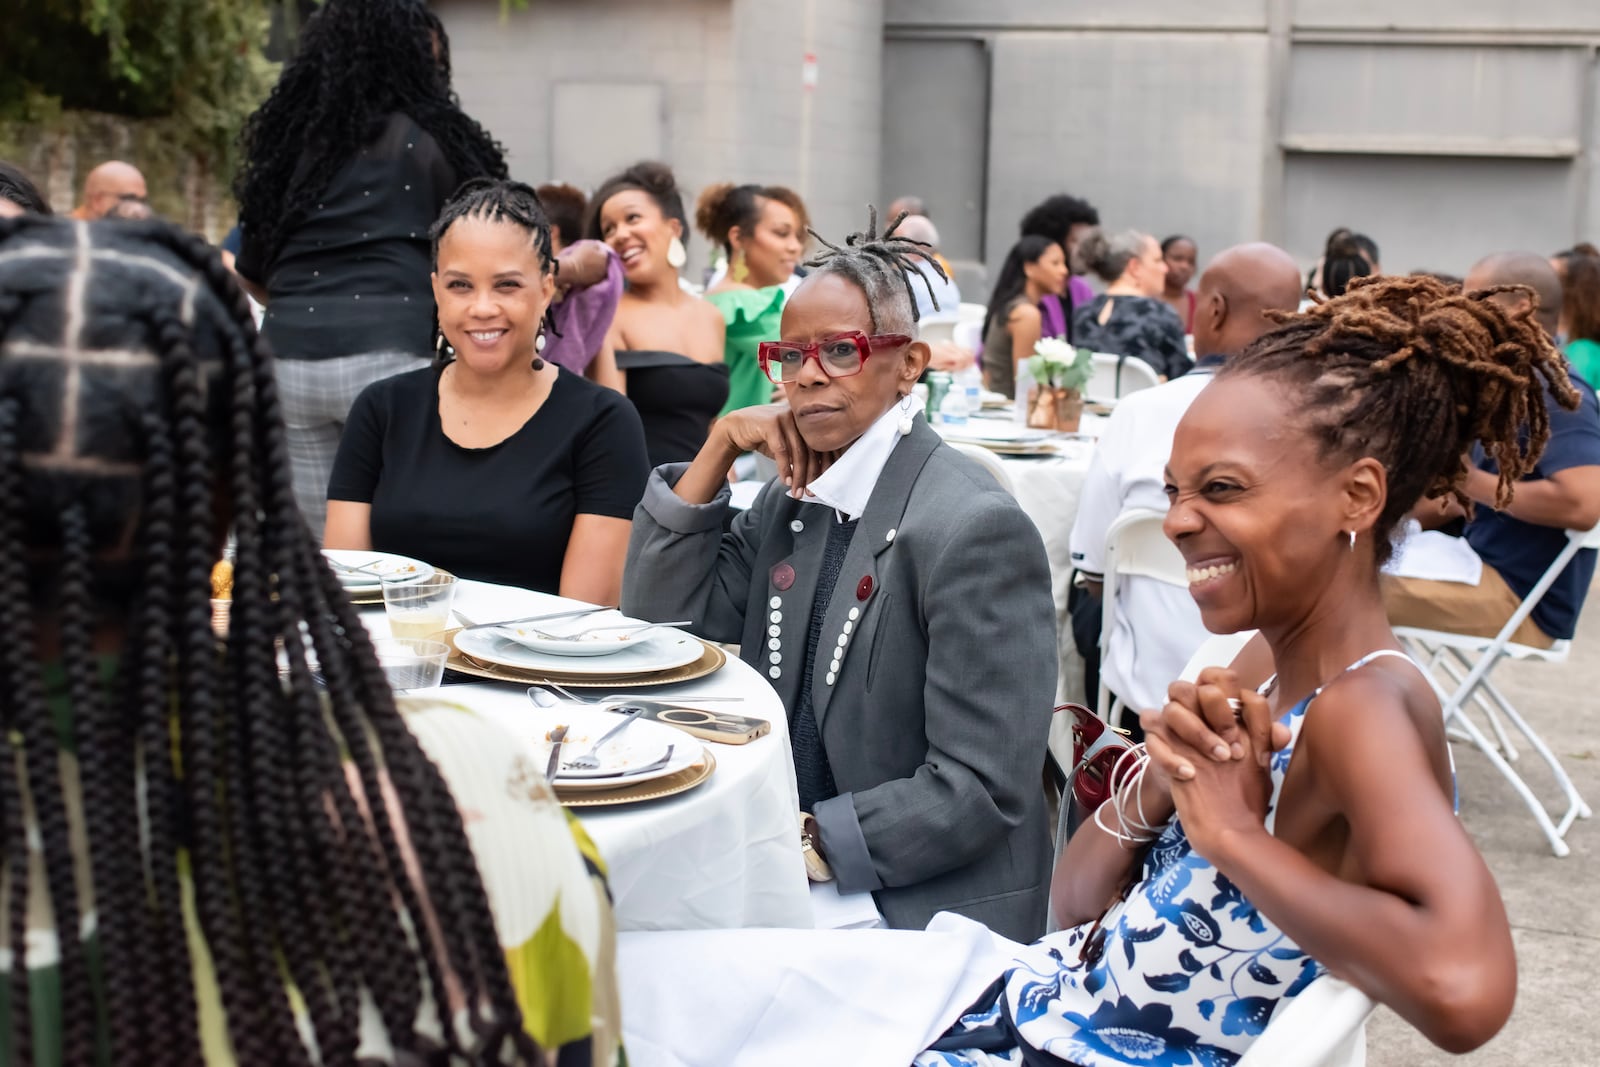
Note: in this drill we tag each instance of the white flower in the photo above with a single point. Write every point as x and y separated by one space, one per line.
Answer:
1054 349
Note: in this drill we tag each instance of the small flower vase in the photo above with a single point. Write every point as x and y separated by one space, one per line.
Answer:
1050 408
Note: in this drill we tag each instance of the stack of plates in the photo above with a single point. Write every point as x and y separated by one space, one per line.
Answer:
1003 437
617 780
657 658
365 584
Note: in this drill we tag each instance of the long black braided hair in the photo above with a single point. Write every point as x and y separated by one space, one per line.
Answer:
882 267
358 62
139 420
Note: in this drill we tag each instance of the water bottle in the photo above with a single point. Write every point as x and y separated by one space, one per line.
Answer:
953 408
971 382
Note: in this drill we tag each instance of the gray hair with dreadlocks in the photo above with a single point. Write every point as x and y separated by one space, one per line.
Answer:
882 268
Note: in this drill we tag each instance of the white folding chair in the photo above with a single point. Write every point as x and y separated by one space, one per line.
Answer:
988 461
939 331
1135 546
1325 1026
969 312
1219 650
968 334
1459 665
1114 377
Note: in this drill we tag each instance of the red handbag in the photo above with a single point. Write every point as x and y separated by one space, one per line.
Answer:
1096 749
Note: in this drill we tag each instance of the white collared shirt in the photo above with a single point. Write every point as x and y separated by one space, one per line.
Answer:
847 485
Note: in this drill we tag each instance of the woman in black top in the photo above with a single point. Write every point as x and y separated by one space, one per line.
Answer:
346 166
668 341
1130 318
495 465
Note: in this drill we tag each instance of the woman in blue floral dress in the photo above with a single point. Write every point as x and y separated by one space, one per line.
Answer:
1308 827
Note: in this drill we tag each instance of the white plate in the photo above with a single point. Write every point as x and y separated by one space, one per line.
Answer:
381 565
988 432
638 746
660 650
603 643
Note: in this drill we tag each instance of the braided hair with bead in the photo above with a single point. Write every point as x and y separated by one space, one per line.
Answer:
882 267
224 802
1413 372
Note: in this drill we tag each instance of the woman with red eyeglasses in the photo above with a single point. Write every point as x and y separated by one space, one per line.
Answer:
918 685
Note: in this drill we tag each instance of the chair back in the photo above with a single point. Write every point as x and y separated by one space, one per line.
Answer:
1135 545
972 313
1219 650
988 461
939 331
1114 377
968 334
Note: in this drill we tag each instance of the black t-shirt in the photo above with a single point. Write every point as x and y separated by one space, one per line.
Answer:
499 514
352 275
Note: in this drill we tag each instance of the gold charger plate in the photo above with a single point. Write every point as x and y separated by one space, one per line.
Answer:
655 789
709 662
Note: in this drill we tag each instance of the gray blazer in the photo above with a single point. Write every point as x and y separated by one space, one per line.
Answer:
933 680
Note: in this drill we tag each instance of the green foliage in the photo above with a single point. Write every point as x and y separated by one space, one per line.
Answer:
195 62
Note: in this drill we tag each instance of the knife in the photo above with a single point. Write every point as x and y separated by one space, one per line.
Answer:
558 735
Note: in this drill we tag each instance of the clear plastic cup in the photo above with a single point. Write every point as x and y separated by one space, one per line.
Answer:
419 609
411 663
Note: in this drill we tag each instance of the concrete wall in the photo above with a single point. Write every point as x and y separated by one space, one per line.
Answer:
1446 128
577 89
1443 127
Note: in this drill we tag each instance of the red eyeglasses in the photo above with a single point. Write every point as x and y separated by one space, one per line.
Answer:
839 356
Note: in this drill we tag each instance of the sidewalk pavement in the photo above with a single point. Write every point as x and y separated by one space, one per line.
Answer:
1553 905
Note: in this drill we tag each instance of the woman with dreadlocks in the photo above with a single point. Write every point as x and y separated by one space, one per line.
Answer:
918 686
346 166
493 462
208 854
1270 837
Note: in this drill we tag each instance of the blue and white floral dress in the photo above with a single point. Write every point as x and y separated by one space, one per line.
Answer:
1188 972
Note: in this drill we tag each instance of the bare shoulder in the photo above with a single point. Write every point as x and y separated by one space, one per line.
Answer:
1023 312
1378 713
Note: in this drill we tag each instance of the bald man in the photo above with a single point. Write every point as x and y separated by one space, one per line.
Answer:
107 185
1158 627
1518 545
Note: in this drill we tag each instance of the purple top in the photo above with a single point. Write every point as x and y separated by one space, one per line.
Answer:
582 318
1080 291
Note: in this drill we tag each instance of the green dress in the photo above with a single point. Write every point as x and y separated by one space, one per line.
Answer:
544 878
753 316
1584 355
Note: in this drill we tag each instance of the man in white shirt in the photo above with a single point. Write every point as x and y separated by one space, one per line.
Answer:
1158 627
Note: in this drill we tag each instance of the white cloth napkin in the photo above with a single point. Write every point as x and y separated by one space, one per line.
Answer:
754 998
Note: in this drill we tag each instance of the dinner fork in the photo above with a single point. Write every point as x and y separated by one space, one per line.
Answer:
634 629
589 761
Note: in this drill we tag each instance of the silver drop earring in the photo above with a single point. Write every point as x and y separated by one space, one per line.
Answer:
1352 540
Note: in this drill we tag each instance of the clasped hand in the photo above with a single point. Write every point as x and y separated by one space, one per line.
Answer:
771 431
1209 746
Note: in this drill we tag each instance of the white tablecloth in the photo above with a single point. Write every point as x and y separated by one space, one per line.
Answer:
724 854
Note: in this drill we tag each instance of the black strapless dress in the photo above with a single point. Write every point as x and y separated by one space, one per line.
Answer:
676 398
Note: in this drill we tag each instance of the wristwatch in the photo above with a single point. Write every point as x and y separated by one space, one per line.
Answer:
817 868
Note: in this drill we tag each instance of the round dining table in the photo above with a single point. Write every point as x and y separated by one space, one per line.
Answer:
723 854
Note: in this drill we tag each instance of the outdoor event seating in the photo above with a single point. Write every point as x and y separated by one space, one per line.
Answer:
1460 665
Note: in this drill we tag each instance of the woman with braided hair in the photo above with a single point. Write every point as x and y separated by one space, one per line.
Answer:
918 685
208 853
346 166
1306 828
493 462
